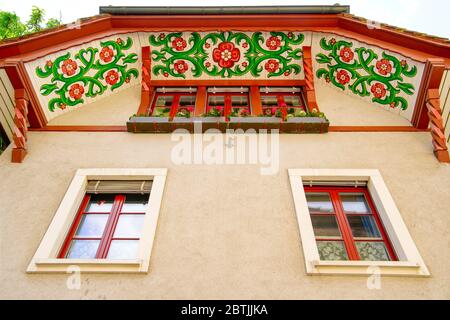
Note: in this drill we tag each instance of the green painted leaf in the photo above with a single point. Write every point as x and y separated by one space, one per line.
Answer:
46 89
131 58
406 88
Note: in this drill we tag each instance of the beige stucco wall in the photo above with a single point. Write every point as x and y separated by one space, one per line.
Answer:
224 231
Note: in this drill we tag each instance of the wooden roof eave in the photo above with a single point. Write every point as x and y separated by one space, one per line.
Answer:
47 42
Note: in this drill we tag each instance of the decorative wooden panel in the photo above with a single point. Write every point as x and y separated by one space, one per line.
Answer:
82 74
6 104
227 55
371 73
445 104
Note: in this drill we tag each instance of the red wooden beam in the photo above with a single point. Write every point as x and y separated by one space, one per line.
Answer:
431 79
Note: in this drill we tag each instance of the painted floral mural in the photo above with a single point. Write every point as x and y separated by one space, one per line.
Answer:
226 54
88 74
382 78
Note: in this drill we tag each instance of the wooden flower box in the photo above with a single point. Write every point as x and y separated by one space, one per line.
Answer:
292 125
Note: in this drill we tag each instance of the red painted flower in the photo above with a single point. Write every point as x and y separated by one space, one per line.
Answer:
226 55
245 45
290 35
162 36
207 45
207 64
127 80
166 74
62 106
327 79
286 73
333 41
404 63
392 105
49 63
343 77
346 54
384 67
69 67
273 43
112 77
106 54
181 66
244 64
76 91
244 113
119 41
271 65
179 44
378 90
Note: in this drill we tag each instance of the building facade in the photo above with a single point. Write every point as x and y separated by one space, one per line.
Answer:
225 153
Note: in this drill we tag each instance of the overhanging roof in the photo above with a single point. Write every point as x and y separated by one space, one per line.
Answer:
215 10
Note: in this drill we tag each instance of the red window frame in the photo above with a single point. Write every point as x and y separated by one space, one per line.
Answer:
227 107
175 103
281 102
110 227
342 221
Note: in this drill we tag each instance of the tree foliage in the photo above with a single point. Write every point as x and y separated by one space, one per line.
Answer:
11 26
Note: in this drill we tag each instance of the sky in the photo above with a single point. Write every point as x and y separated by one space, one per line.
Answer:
427 16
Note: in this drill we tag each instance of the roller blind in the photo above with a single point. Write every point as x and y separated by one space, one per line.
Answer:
335 183
119 186
228 89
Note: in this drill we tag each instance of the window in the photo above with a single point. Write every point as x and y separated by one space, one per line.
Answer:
168 102
349 224
284 100
346 224
106 222
228 101
108 226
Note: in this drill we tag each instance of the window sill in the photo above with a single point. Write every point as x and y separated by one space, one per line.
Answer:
164 125
86 265
367 268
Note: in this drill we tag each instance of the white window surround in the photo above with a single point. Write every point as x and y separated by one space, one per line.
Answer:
45 259
410 262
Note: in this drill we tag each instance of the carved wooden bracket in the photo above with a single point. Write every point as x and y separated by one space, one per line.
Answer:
309 79
20 131
437 125
146 88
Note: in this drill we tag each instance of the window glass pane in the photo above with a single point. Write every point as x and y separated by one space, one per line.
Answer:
354 203
319 202
372 251
215 101
92 225
136 203
163 105
332 250
187 101
100 203
325 226
123 249
83 249
269 101
129 226
239 101
364 226
292 101
164 101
